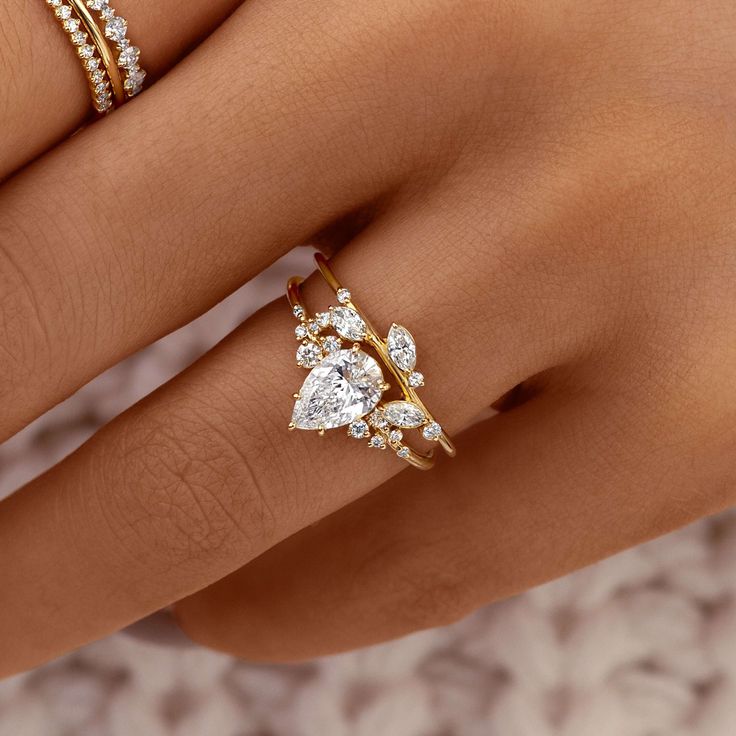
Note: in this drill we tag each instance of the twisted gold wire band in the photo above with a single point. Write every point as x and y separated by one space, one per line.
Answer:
422 460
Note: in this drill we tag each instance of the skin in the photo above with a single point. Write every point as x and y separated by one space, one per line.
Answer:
542 192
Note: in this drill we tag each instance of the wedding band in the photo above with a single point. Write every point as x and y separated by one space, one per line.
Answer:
104 71
346 386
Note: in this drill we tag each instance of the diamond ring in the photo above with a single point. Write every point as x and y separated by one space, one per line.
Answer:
346 385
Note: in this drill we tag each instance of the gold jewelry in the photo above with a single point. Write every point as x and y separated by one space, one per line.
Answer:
107 86
345 386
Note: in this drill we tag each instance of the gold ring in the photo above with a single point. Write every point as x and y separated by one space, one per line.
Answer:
345 386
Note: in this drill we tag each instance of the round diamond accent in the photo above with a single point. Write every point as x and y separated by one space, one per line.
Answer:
116 28
63 12
308 355
416 379
432 431
378 442
71 25
358 429
129 57
331 344
322 319
403 452
343 296
300 331
344 387
78 38
395 436
86 51
298 311
314 328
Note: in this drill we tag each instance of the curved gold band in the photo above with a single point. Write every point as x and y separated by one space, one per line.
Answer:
419 459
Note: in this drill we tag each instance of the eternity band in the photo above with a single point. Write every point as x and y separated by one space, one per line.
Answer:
112 79
345 386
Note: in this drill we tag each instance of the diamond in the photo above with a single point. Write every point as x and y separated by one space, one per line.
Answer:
92 64
331 344
378 420
298 311
63 12
308 355
107 13
96 4
79 37
395 436
300 331
404 414
128 57
100 89
322 319
343 296
403 452
358 429
97 76
345 386
348 323
402 348
54 3
314 328
116 28
86 51
378 442
416 379
71 25
432 431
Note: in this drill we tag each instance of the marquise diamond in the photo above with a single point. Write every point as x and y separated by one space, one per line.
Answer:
401 348
348 323
345 386
404 414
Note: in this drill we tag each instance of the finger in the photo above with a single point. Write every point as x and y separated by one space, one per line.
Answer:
45 94
557 484
202 476
169 205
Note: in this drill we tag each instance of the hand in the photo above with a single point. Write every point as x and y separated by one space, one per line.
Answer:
542 192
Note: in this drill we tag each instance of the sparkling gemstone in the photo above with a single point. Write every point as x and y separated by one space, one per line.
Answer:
322 319
86 52
416 379
92 64
116 28
78 38
100 89
348 323
345 386
378 442
71 25
378 420
331 344
96 4
343 296
54 3
298 311
395 436
404 414
135 77
358 429
403 452
308 355
97 76
314 328
401 348
300 331
63 12
432 431
107 13
128 57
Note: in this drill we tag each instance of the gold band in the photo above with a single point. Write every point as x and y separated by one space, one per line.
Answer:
397 353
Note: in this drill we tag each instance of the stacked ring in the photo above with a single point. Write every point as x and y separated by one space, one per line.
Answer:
103 70
345 386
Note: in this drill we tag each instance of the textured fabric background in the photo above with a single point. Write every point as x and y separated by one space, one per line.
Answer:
642 644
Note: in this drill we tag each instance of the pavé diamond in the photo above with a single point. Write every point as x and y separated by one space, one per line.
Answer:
63 12
129 57
331 344
402 348
348 323
404 414
86 51
343 296
344 387
71 25
78 38
116 28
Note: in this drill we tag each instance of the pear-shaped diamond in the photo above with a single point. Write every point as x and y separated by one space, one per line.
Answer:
348 323
401 348
404 414
345 386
